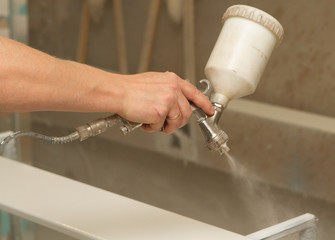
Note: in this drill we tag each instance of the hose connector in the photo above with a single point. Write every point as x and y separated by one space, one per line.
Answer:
100 125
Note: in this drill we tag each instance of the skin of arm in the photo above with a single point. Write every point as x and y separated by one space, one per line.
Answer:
31 80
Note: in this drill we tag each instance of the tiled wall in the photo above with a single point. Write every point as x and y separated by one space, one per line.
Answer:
299 76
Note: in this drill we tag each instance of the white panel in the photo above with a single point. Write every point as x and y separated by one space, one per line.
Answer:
86 212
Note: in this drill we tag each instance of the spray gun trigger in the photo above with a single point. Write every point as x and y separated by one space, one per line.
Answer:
208 89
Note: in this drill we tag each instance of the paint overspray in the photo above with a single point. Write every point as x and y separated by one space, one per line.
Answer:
254 188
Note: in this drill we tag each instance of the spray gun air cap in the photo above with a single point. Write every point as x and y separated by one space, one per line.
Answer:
218 141
224 149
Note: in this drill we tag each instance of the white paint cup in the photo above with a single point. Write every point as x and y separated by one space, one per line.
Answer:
241 52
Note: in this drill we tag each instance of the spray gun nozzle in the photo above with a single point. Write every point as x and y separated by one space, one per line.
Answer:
225 148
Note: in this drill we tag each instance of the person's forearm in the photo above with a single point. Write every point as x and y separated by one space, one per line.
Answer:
32 81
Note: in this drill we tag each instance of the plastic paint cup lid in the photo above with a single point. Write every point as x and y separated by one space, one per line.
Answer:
257 16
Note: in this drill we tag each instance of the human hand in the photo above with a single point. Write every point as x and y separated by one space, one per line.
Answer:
160 99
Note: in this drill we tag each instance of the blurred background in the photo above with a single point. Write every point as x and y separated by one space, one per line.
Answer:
282 136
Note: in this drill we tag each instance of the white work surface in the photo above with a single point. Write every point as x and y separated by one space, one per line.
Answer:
86 212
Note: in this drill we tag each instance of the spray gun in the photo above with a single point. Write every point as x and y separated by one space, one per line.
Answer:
237 62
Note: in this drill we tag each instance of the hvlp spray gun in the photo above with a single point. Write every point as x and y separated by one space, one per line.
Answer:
236 64
233 70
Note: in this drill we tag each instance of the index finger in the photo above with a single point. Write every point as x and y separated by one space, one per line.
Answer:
195 96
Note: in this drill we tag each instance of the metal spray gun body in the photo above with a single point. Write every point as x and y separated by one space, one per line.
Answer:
216 139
